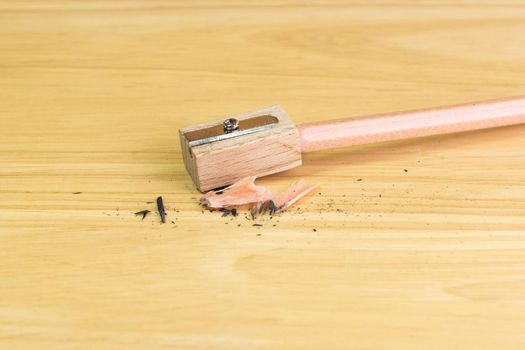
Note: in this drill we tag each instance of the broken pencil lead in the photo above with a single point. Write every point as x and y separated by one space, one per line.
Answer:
160 207
262 207
272 208
144 213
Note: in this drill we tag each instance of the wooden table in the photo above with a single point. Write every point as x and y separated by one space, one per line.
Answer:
406 245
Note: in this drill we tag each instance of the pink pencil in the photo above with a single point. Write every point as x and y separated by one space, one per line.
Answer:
411 124
266 141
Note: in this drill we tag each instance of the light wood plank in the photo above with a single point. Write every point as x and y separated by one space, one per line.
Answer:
92 95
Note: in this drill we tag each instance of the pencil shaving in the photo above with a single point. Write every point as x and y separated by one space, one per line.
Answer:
242 192
292 194
246 192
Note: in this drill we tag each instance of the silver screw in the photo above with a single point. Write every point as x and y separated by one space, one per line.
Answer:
230 125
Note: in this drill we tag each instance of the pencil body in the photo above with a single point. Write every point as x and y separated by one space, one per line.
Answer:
411 124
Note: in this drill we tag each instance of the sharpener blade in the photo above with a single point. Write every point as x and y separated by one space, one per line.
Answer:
218 133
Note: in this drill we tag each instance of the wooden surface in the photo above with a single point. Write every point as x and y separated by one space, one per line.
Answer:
92 95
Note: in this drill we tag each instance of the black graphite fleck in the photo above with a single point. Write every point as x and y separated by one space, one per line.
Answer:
144 213
272 208
162 211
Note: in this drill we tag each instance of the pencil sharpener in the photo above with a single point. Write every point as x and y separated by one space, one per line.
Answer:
257 143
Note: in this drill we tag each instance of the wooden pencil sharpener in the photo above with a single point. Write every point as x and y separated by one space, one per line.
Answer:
258 143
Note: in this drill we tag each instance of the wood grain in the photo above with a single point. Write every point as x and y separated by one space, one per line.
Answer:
92 95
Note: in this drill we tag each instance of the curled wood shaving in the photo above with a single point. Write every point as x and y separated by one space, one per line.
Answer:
261 198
